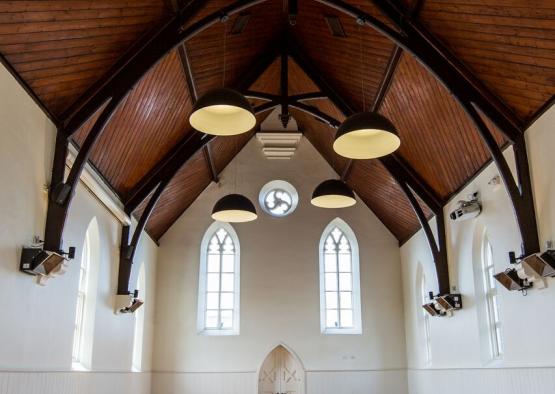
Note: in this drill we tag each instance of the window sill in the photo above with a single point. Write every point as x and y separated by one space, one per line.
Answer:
342 331
77 366
218 332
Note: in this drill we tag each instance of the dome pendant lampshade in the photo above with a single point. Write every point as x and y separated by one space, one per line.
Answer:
333 193
234 208
222 112
366 135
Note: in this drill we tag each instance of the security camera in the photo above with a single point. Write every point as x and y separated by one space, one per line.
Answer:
468 209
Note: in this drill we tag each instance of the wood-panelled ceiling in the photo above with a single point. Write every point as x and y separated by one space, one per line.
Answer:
350 63
438 140
151 120
61 48
509 45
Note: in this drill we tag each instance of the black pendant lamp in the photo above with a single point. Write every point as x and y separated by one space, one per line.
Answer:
224 112
333 193
366 135
234 208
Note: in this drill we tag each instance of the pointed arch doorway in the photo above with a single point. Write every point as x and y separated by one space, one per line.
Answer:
281 373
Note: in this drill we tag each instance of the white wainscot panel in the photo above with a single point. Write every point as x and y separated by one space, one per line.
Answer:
74 383
482 381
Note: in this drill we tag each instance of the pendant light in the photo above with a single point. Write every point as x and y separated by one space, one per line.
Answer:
333 193
223 111
365 135
234 208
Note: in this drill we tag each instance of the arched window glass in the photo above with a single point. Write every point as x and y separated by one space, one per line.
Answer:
78 332
426 320
339 280
139 323
218 312
86 300
491 299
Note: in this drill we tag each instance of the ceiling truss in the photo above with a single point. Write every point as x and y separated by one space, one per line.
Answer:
409 35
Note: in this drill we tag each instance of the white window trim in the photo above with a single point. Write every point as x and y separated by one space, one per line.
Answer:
426 322
495 339
202 281
357 320
138 338
278 184
92 238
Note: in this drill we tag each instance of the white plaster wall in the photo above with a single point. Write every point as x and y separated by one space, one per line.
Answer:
279 291
459 357
36 323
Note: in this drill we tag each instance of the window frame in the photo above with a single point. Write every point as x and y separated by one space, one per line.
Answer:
355 271
278 184
138 337
427 329
491 298
202 287
77 361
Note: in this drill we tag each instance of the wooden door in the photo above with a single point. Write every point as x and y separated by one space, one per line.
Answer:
280 373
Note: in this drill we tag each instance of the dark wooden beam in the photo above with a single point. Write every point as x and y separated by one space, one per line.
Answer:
437 247
62 192
385 84
423 190
519 190
407 178
284 83
127 250
315 112
175 158
456 77
261 95
182 152
308 96
145 186
316 76
400 169
129 70
210 162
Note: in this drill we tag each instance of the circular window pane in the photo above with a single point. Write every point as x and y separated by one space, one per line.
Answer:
278 198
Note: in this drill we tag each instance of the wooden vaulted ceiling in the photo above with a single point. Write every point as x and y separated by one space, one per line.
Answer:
59 49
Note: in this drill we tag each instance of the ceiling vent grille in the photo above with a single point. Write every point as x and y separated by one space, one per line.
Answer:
336 28
240 23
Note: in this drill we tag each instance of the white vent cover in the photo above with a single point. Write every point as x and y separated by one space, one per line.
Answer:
279 145
278 142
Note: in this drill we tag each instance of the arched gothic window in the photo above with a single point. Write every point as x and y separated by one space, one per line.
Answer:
491 299
86 299
425 319
218 309
339 280
138 338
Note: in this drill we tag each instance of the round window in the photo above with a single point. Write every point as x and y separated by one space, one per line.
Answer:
278 198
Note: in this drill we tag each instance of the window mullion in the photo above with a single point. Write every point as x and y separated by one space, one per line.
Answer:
220 286
337 278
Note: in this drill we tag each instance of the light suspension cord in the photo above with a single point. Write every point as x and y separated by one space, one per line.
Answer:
225 49
361 69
